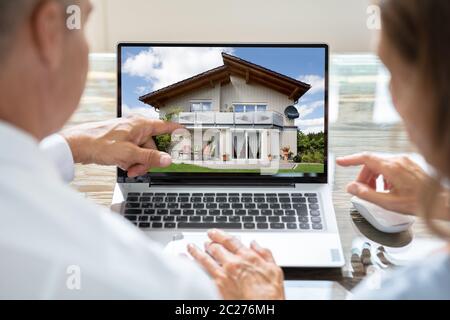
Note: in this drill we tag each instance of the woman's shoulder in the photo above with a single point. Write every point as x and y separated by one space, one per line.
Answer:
428 279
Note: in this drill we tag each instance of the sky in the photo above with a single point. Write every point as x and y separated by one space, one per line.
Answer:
146 69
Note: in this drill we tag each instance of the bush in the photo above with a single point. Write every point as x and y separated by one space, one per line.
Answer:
297 158
163 142
311 148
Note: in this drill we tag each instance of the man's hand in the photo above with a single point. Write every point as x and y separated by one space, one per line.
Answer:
240 273
404 181
127 143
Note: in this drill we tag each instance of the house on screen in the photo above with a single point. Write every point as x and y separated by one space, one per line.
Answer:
238 112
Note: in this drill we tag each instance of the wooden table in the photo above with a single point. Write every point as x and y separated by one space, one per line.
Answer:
361 120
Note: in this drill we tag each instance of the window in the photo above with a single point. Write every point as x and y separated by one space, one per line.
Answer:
201 106
250 107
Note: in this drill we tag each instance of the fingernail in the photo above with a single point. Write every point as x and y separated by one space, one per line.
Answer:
353 188
165 160
213 232
256 245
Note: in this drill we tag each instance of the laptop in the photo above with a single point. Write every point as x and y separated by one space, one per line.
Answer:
251 157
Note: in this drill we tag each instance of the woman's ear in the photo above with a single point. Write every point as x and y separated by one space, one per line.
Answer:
48 31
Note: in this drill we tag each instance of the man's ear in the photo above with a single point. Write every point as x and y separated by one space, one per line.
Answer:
48 31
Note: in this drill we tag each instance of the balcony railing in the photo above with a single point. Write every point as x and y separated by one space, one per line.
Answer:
230 118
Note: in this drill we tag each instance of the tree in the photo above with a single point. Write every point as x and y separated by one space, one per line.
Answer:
311 147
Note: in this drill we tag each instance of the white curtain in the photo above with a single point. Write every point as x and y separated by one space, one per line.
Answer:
254 145
239 145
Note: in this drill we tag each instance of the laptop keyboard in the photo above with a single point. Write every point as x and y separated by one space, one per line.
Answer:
237 211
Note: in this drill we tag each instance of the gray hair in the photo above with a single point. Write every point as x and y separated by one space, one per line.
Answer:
12 14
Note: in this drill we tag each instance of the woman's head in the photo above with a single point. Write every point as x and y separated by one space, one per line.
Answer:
415 46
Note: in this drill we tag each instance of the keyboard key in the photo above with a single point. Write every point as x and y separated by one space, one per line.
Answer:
234 219
134 194
248 219
144 225
221 219
278 212
250 206
303 219
241 212
147 205
249 226
199 205
208 219
133 211
227 212
201 212
288 219
304 226
291 226
261 219
143 218
262 226
186 206
285 200
310 194
286 206
131 218
195 219
170 225
155 218
175 212
315 213
253 212
316 220
169 218
157 225
182 219
263 206
274 219
149 211
314 207
317 226
211 205
214 212
132 199
277 226
162 212
313 200
237 206
160 205
202 225
188 212
266 212
290 212
299 200
133 205
224 206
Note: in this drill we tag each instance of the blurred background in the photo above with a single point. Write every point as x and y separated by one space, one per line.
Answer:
341 24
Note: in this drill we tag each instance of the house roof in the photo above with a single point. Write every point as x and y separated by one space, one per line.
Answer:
292 88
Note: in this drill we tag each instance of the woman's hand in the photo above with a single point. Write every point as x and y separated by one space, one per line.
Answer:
126 142
404 180
240 273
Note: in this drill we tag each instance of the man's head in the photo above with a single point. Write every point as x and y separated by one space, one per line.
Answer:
44 64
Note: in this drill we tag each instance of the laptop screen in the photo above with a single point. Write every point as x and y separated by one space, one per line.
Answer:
246 111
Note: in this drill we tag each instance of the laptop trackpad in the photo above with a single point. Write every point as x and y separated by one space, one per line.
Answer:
289 249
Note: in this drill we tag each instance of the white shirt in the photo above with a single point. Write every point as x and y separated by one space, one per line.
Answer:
54 244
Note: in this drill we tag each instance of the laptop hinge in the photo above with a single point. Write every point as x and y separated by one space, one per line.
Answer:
226 184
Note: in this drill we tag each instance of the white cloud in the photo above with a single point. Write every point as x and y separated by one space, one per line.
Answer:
141 90
308 108
317 82
147 112
164 66
311 125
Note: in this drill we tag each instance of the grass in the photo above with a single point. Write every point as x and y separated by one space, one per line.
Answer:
190 168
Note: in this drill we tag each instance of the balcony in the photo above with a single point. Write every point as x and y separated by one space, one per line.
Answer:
230 118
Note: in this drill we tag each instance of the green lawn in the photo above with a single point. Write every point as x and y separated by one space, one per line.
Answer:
189 168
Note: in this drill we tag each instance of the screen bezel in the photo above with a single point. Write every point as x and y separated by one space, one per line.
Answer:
224 178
